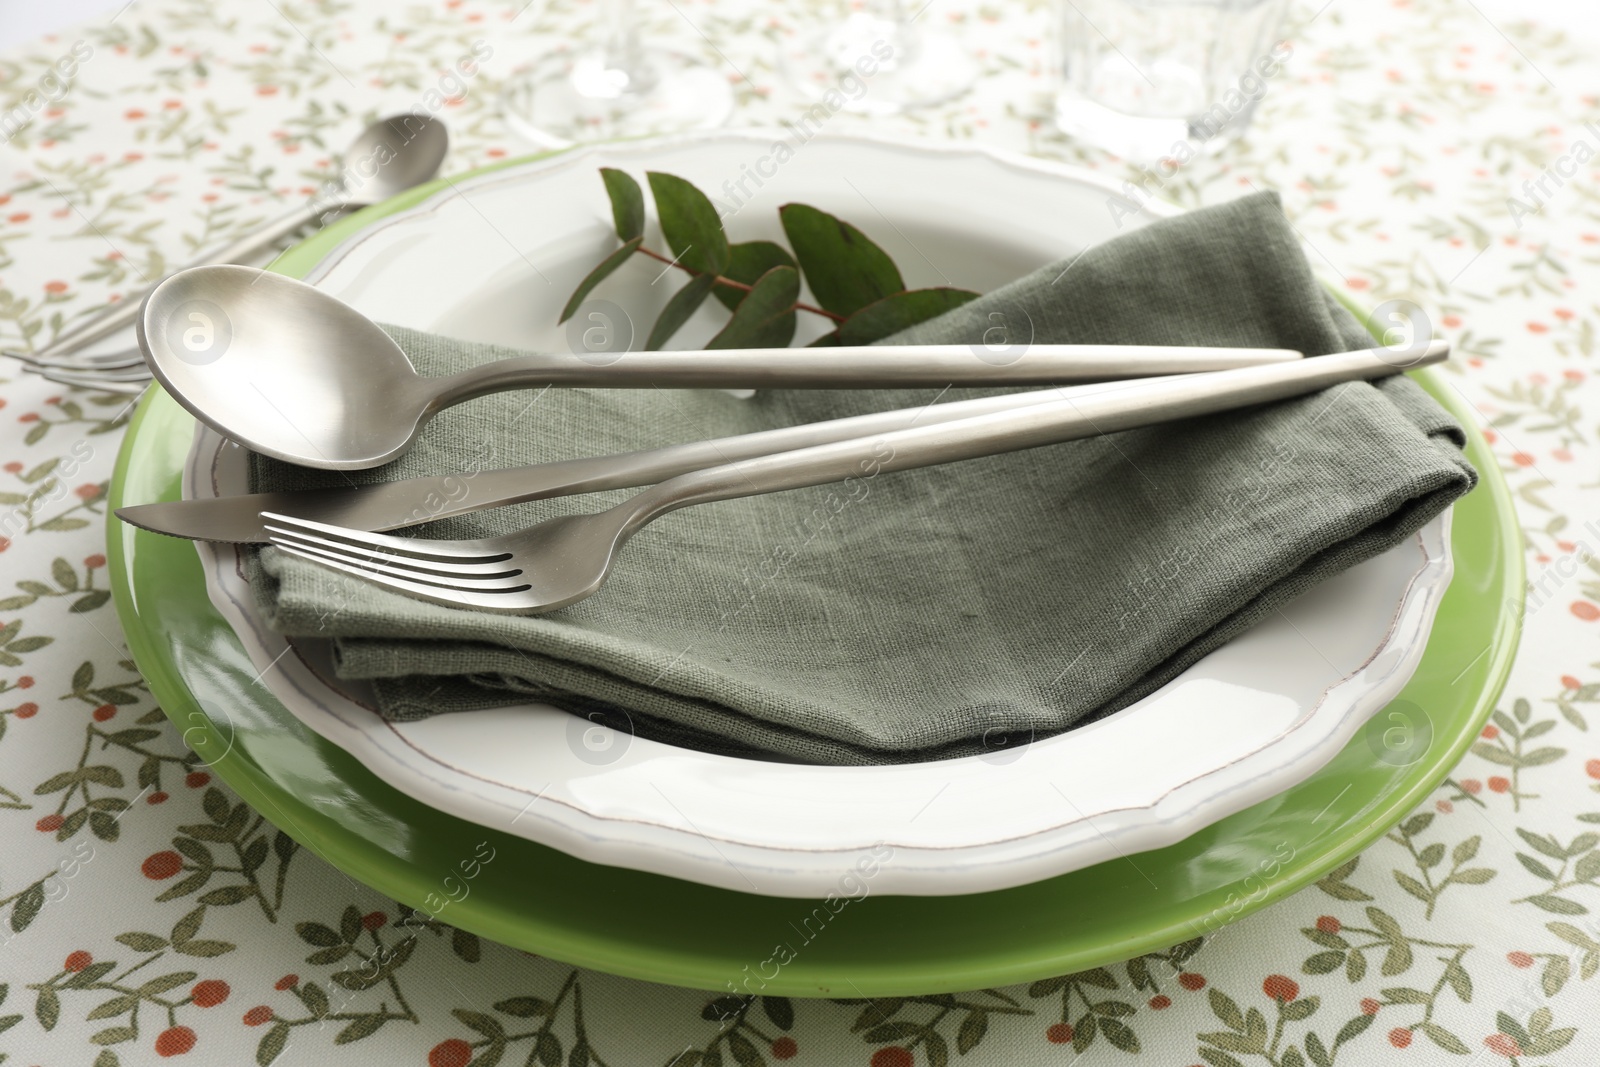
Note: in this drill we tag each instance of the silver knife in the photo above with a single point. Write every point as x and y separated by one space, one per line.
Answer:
391 505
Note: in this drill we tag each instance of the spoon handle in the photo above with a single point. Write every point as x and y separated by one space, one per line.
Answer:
1049 422
866 367
124 313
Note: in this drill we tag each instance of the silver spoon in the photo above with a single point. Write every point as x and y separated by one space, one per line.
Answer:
388 157
294 373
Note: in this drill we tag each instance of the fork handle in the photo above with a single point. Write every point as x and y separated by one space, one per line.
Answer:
1050 422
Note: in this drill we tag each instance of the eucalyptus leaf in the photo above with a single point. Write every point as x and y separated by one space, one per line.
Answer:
765 317
598 275
898 312
845 270
683 304
627 203
747 262
690 224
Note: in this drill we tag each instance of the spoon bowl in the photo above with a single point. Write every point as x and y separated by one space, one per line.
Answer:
392 155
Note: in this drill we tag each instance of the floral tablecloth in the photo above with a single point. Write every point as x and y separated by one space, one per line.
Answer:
1425 149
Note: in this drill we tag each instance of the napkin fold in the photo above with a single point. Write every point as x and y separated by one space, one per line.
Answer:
931 613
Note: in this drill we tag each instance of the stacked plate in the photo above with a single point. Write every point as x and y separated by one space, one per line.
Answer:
1253 773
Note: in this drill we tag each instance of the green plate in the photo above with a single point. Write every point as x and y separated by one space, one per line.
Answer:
664 930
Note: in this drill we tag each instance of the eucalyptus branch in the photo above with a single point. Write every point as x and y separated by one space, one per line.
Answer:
730 283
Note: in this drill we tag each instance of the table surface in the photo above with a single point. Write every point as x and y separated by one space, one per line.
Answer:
1400 135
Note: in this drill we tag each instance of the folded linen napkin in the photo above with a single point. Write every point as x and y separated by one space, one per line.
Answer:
931 612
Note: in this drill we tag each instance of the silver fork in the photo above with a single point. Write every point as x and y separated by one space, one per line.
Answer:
563 560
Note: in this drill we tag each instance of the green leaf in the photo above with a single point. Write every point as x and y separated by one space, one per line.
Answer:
1323 963
886 1008
898 312
1556 973
1333 883
89 601
1225 1009
1218 1058
1119 1035
141 942
548 1048
107 1058
350 924
206 949
765 317
1397 960
466 946
1292 1058
114 1035
1352 1029
524 1007
1431 856
607 266
1304 1008
1473 875
1412 886
684 303
1444 1038
1459 980
47 1008
64 575
272 1044
363 1026
1573 936
1317 1051
690 224
1416 824
227 894
27 907
117 1005
747 1055
316 1000
1355 967
1537 869
972 1029
1323 938
627 203
845 270
1559 905
167 981
780 1010
748 261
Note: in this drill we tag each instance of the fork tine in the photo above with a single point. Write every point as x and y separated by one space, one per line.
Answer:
491 600
441 577
414 548
464 570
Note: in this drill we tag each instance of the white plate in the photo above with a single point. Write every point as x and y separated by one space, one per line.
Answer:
495 258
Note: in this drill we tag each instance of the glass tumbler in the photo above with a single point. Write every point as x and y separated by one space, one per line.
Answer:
1143 77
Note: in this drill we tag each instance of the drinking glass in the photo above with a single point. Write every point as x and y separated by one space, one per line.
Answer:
1141 77
886 58
616 87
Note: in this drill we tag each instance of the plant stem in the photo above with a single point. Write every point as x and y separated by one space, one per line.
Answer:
731 284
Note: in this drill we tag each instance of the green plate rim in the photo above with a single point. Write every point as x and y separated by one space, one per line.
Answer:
396 877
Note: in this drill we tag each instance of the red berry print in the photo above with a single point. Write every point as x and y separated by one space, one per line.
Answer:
1191 981
1160 1000
374 920
94 562
209 993
1592 768
1585 610
162 865
196 779
49 824
893 1056
1503 1044
258 1015
1519 959
1369 1006
1059 1034
1491 732
25 682
784 1048
104 712
27 711
1280 987
1498 784
157 797
1328 924
452 1053
77 961
1399 1037
174 1041
288 981
1471 785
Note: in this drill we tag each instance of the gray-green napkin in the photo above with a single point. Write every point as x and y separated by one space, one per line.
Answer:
931 613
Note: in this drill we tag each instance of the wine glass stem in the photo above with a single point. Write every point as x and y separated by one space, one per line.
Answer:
621 45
